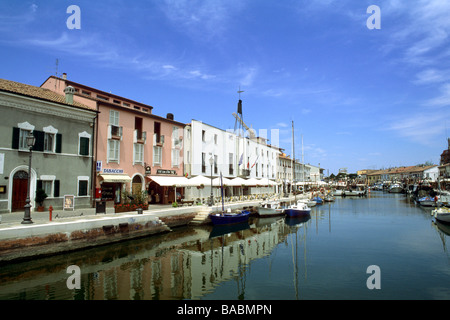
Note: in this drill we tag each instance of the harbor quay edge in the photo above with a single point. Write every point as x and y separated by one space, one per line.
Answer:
22 242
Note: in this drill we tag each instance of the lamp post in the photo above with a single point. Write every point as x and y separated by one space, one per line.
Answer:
30 139
211 201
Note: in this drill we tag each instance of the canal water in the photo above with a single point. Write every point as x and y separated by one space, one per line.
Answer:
324 257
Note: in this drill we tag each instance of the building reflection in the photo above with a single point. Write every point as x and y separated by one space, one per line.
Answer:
186 264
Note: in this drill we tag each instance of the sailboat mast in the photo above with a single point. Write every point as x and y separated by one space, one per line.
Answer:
293 161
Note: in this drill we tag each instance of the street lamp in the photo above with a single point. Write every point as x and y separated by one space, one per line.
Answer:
30 140
211 201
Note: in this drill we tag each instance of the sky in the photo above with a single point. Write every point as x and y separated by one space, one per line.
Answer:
359 97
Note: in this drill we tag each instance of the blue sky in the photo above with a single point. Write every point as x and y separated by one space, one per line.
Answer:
361 98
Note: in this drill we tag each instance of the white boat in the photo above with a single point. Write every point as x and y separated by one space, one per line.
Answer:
328 198
309 202
337 192
270 208
441 214
396 188
354 192
297 210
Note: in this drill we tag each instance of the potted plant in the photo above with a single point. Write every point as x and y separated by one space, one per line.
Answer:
40 197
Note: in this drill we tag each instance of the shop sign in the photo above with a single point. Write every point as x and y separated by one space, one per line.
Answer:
162 171
116 171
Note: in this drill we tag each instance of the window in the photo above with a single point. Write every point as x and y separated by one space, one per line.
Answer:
203 135
230 161
215 164
215 139
49 139
175 157
83 183
157 156
23 138
139 153
114 117
203 162
113 150
84 140
47 186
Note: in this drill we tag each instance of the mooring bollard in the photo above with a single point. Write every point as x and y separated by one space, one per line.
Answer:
50 211
139 210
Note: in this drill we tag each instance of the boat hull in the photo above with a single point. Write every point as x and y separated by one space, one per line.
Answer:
227 218
294 212
442 215
267 212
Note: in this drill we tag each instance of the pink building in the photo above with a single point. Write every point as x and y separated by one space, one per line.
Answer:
132 145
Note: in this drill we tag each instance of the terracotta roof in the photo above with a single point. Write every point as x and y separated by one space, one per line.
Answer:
37 92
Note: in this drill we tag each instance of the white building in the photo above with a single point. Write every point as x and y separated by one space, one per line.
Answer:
210 151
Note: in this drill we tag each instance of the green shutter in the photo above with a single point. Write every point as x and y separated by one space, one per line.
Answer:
58 143
15 138
39 143
56 189
84 146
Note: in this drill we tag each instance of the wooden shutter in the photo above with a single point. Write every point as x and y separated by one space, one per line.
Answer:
15 138
58 143
39 143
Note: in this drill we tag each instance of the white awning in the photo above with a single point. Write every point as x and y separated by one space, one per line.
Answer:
123 178
171 181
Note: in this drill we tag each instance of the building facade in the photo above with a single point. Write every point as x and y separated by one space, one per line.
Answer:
210 151
133 146
62 156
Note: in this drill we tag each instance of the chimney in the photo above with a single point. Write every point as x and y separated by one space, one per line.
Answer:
69 91
64 76
169 116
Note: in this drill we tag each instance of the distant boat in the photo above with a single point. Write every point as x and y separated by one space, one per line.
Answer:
329 198
395 188
442 214
309 202
318 200
298 210
270 208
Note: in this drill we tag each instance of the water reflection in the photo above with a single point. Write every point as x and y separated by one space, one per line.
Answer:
185 264
231 262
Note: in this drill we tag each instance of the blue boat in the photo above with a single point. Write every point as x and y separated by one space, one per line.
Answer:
298 210
226 218
319 200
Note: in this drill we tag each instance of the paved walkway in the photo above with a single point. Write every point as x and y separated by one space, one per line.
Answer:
15 218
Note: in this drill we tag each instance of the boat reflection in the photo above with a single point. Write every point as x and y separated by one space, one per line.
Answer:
188 263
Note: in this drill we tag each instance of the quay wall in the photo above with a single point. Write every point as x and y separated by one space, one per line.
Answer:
19 242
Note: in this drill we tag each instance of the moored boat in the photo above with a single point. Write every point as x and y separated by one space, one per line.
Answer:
427 201
395 188
298 210
318 200
270 208
226 218
442 214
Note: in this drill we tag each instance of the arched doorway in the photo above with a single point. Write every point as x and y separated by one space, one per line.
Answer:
136 184
19 190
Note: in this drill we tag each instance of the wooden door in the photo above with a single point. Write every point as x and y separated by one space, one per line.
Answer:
19 193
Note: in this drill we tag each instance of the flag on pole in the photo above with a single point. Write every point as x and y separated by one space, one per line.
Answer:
255 161
240 160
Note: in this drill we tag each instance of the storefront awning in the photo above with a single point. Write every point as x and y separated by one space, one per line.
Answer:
171 181
115 178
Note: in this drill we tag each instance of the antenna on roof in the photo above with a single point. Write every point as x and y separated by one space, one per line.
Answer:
56 72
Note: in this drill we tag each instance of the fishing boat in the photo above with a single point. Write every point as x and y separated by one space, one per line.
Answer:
298 210
395 188
318 200
427 201
227 218
309 202
270 208
442 214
